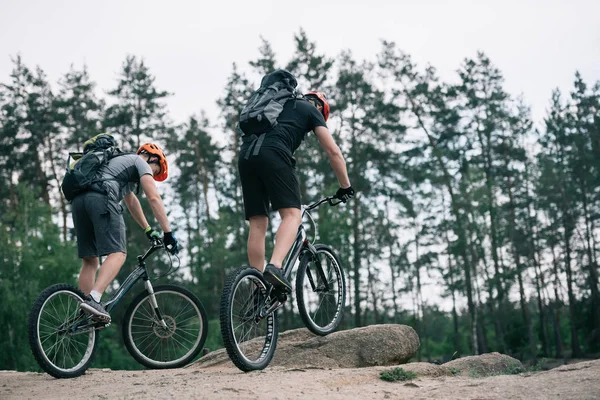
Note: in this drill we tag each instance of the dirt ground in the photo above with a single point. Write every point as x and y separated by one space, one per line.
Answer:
574 381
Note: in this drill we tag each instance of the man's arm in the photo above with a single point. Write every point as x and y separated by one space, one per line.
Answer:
135 208
158 209
336 159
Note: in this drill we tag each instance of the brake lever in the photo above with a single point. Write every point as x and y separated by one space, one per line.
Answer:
332 203
156 243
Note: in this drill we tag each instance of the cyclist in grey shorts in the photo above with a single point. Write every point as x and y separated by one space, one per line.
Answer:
99 224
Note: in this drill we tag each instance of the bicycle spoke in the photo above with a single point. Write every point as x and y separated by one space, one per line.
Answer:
151 342
195 316
58 321
182 310
146 337
145 313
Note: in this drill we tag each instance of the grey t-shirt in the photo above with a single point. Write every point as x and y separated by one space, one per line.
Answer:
121 176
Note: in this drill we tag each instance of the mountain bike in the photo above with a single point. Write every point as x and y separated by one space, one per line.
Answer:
248 312
164 326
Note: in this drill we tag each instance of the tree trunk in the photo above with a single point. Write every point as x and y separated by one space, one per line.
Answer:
515 246
420 314
556 308
63 203
592 271
541 311
457 346
497 280
539 275
393 283
575 348
356 260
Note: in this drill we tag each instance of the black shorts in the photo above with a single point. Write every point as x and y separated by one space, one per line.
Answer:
99 232
268 176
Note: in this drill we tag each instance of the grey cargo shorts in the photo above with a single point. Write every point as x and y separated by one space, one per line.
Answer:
98 231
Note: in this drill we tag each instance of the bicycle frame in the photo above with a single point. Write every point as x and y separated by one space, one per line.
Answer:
301 244
141 272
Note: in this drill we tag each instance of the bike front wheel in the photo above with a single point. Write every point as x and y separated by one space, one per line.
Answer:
63 339
321 290
174 345
249 334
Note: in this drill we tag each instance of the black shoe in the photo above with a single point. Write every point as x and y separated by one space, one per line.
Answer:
275 277
97 310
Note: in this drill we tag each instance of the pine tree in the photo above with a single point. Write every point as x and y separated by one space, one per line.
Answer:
139 114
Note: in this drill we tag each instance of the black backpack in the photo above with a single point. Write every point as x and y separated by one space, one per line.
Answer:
260 113
82 173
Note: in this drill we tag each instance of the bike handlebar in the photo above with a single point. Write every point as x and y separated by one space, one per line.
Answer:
330 200
155 244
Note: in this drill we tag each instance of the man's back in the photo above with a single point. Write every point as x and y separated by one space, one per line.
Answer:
296 119
121 175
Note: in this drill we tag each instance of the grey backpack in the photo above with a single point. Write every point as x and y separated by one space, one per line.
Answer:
260 114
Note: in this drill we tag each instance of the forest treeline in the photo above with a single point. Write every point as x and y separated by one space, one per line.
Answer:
458 192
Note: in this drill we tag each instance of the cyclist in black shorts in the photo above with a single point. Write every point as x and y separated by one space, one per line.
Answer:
268 175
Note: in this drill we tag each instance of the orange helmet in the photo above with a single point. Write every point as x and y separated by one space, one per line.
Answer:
155 150
322 99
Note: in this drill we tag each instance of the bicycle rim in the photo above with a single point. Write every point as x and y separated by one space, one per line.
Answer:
323 299
162 347
253 336
64 350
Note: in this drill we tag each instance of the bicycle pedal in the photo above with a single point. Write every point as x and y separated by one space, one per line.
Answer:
102 324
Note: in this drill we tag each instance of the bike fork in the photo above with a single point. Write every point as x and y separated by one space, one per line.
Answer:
154 303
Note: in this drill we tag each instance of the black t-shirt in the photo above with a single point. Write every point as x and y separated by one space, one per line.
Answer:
297 118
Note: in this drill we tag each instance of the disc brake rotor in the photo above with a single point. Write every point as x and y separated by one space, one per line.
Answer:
165 333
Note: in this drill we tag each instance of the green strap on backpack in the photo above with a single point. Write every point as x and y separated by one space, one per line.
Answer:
83 171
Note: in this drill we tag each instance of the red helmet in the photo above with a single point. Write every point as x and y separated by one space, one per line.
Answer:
322 99
155 150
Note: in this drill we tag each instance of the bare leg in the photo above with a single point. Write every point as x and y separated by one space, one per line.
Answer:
286 234
87 275
109 270
256 241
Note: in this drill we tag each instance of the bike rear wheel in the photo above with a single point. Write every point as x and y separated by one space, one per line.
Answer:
174 346
62 340
321 290
250 339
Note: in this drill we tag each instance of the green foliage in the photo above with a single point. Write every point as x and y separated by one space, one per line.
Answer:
33 257
397 374
513 368
214 340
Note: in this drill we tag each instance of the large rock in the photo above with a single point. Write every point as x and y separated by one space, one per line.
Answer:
485 365
373 345
425 369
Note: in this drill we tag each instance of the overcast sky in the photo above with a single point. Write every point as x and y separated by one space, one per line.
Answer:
191 45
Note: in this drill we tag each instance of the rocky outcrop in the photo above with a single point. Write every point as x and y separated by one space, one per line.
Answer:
425 369
485 365
388 344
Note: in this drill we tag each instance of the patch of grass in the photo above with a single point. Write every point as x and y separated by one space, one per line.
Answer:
513 369
454 371
397 374
474 373
537 366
